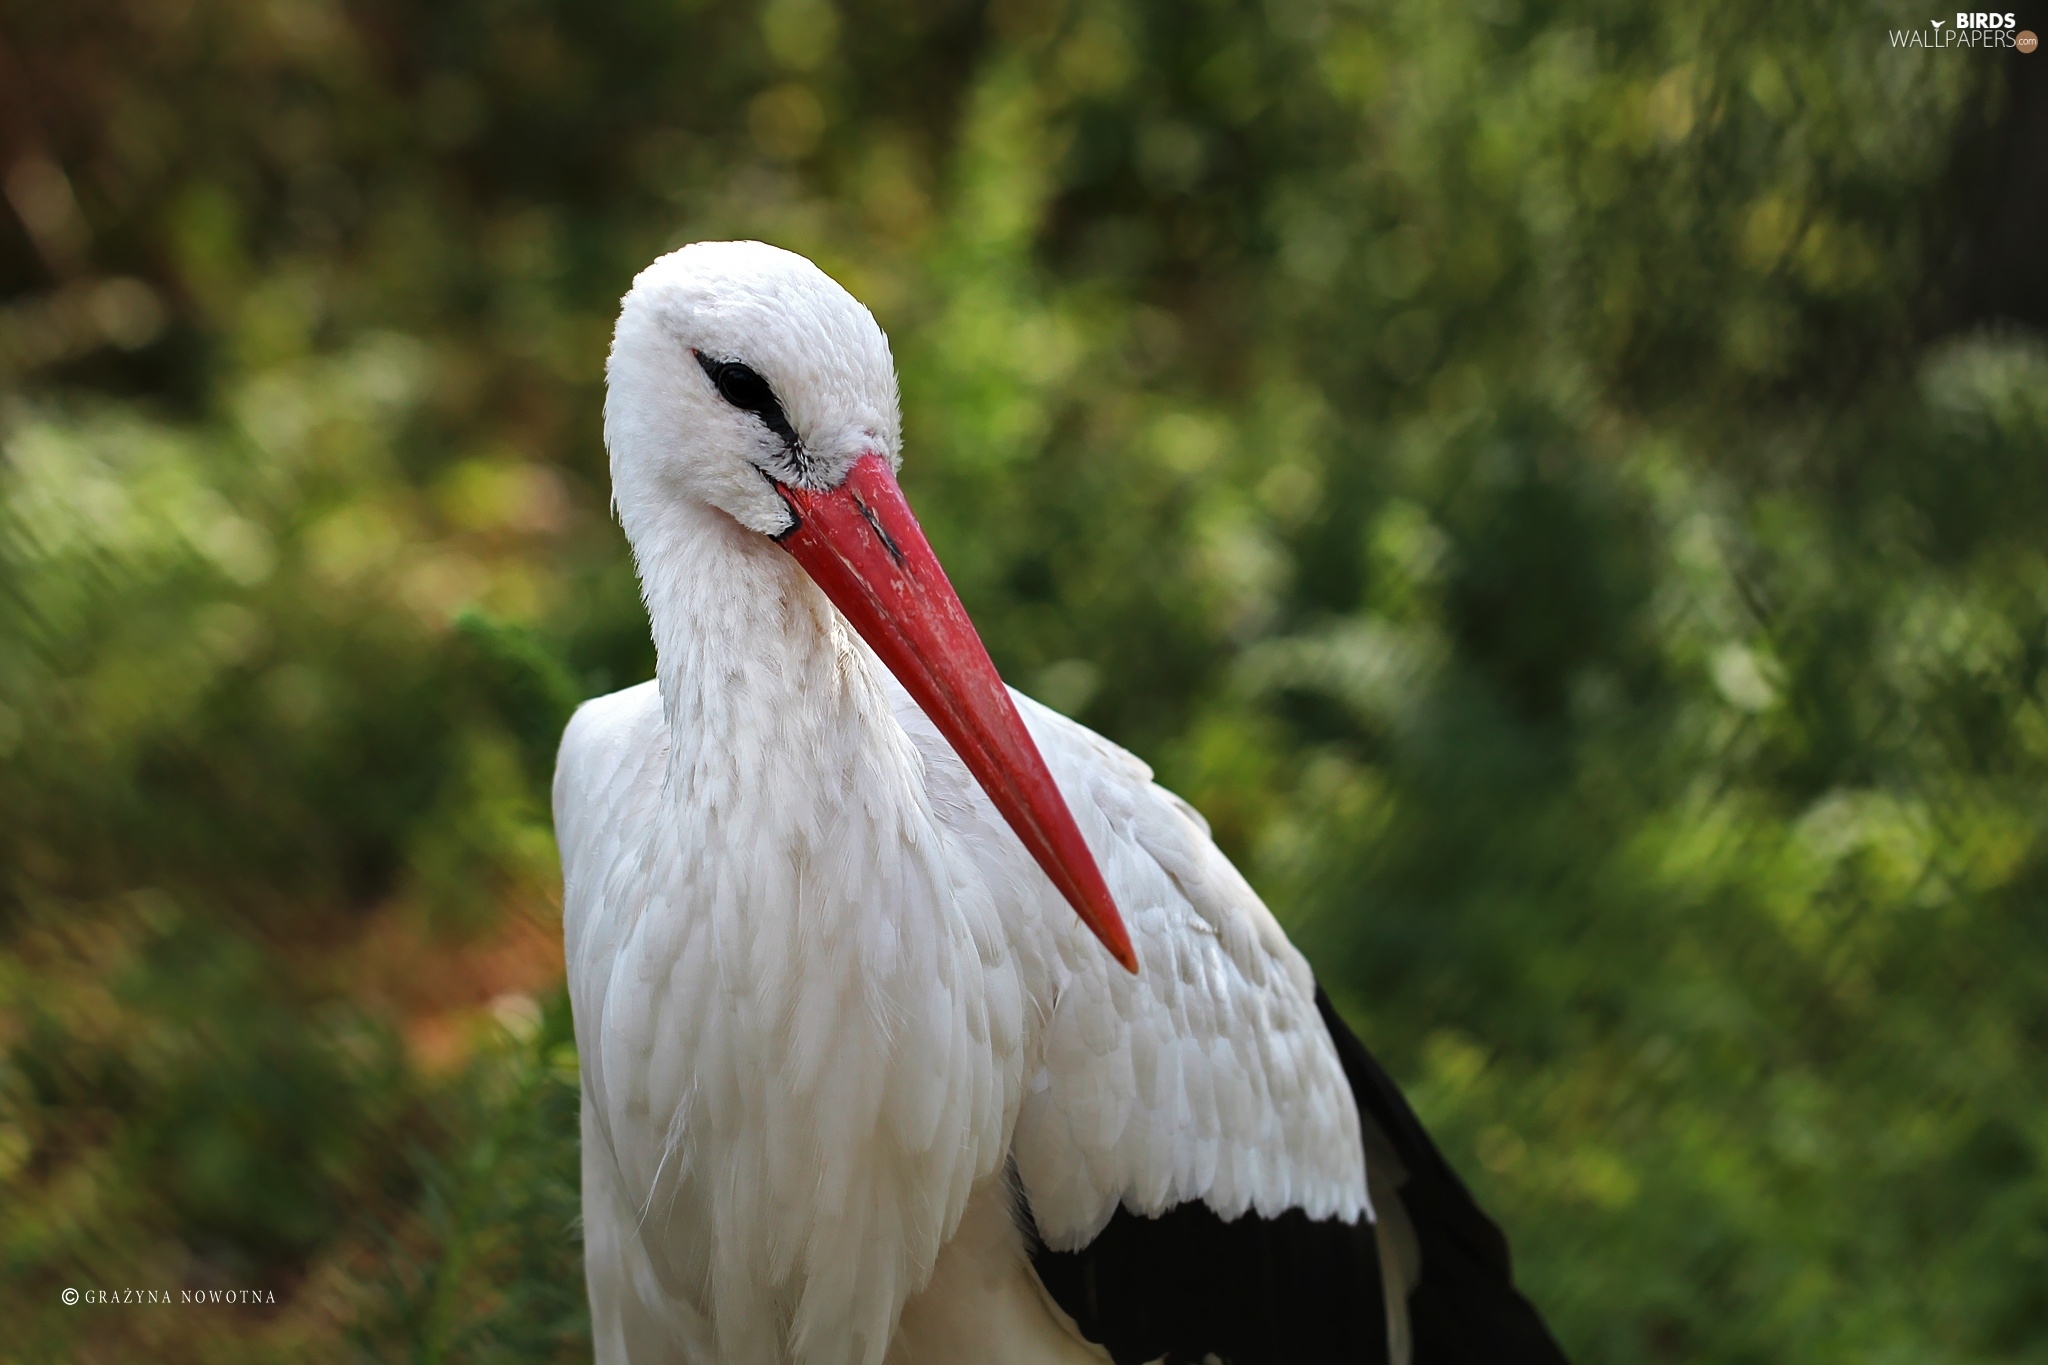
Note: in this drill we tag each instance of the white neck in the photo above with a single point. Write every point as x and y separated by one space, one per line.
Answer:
754 665
826 964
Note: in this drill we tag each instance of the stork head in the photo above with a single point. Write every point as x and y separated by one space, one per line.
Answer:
743 378
739 368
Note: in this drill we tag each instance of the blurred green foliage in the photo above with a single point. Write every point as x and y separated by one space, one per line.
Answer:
1551 481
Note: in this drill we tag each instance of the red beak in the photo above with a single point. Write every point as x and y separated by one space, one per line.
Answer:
860 544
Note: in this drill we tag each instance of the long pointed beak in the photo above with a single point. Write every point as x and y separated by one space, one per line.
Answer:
860 544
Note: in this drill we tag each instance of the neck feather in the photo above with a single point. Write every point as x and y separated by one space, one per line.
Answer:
749 652
845 1085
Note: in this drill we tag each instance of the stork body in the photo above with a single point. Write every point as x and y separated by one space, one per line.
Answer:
860 1085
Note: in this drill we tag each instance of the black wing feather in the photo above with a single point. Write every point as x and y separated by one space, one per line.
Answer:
1187 1286
1466 1307
1253 1291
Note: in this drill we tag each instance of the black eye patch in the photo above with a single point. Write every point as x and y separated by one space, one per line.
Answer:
744 388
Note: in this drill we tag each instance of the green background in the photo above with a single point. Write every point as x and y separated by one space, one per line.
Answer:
1562 485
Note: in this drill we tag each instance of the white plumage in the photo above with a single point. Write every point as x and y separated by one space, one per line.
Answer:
826 1000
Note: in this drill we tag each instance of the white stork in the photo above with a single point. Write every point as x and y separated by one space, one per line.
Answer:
917 1024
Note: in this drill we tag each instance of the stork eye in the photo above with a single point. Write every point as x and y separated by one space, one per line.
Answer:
744 388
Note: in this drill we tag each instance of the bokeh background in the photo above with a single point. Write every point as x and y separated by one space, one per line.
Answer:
1562 483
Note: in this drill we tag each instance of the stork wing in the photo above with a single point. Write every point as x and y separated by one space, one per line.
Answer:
1201 1148
1208 1075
